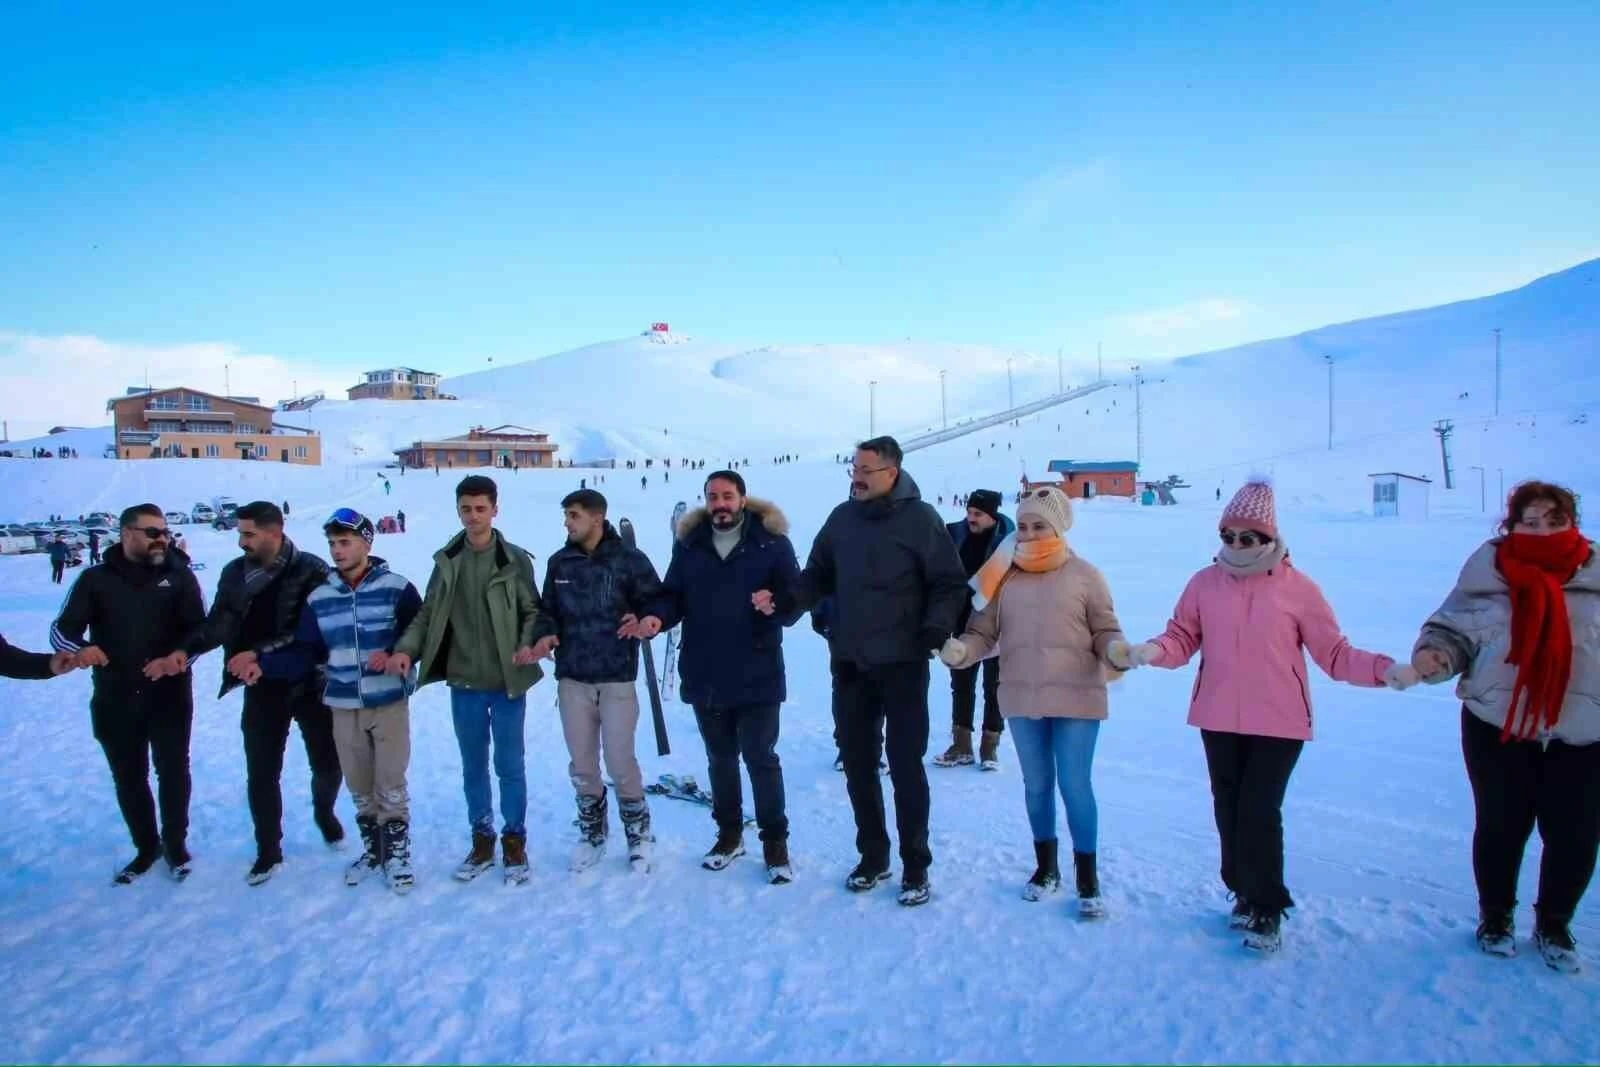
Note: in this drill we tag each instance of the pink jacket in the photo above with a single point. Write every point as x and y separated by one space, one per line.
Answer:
1250 632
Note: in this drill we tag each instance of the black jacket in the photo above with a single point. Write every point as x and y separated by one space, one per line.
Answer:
731 653
583 602
893 576
133 614
16 663
263 623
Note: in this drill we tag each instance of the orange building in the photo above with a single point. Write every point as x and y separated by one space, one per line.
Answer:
190 424
396 383
503 446
1084 481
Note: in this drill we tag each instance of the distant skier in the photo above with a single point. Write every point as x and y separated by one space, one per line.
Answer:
386 487
286 509
60 552
400 517
94 546
643 479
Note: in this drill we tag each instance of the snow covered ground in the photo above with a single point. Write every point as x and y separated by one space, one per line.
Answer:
687 965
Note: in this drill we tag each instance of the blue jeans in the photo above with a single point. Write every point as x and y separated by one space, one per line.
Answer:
481 715
1059 752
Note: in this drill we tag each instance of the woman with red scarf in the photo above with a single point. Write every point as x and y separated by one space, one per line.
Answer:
1530 720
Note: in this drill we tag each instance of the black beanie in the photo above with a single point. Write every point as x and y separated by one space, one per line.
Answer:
986 501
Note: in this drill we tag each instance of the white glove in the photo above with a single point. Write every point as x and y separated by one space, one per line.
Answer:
954 654
1118 655
1401 676
1144 654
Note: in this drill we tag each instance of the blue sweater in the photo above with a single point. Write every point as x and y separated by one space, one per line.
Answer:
342 627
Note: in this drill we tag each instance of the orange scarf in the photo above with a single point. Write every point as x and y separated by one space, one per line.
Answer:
1035 557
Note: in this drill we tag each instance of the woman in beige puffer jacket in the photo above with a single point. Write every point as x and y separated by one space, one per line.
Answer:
1049 614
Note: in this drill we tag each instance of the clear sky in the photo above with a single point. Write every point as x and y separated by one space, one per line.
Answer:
341 188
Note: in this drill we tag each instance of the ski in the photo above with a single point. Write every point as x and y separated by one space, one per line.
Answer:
625 528
674 788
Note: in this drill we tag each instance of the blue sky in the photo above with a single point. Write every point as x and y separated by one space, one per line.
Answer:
342 188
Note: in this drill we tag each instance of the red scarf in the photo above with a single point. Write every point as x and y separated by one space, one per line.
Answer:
1536 568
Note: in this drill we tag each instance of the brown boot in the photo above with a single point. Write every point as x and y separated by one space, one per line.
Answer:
989 751
514 853
959 754
480 859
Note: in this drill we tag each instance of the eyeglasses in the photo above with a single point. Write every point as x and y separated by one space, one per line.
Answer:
1248 539
154 533
855 470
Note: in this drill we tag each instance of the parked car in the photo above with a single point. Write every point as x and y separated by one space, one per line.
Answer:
15 540
203 513
176 518
101 518
230 521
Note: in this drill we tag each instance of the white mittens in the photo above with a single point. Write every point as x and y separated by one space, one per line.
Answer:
1401 676
1119 655
1144 654
954 654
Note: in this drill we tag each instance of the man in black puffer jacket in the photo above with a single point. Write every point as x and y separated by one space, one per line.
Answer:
136 607
595 590
897 588
259 599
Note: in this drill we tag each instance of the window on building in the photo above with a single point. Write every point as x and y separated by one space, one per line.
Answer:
245 428
300 451
199 403
211 452
164 403
261 451
461 456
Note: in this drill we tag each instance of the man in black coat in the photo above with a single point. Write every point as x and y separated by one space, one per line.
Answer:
595 589
137 606
33 666
259 599
731 658
897 587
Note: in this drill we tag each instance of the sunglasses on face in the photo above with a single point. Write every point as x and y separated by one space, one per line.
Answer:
1248 539
154 533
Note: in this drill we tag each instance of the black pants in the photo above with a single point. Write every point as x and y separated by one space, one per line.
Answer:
964 696
133 738
267 715
1249 776
876 708
1515 786
57 569
750 730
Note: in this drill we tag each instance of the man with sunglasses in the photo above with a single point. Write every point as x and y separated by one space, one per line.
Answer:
260 597
138 605
897 587
351 624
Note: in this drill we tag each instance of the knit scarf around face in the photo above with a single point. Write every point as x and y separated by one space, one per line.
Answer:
1535 568
1035 557
1258 559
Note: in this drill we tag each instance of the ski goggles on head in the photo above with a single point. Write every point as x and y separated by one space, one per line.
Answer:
352 520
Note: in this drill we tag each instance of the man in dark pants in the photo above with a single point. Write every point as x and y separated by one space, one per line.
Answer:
897 589
137 607
259 599
732 659
976 538
59 551
94 546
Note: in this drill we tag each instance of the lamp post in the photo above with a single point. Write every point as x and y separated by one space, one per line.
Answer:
1483 492
944 408
1011 395
872 409
1330 402
1497 370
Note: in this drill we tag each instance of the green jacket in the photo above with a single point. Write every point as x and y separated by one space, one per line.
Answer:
513 607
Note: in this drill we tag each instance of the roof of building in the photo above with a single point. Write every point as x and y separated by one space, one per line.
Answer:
253 402
1068 466
412 370
1397 474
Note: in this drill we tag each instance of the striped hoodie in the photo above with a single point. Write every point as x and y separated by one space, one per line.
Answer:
342 627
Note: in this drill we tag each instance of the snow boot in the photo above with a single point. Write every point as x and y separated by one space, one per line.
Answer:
989 751
397 855
959 754
866 875
264 868
729 846
1239 917
331 828
179 863
1091 905
1497 934
915 889
371 858
137 867
593 825
1047 875
514 854
636 824
776 855
1553 937
1264 932
480 859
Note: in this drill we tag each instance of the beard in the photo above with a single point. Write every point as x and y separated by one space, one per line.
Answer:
154 557
725 520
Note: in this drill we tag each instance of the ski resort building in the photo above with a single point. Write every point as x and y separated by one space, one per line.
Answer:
1399 496
396 383
503 446
1085 481
183 423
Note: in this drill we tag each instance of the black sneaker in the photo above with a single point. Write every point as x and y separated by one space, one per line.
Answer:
178 861
915 890
1557 946
140 865
332 829
263 869
1263 932
1497 935
866 876
1239 917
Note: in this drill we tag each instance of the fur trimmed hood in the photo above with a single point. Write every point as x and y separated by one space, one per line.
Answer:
773 520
